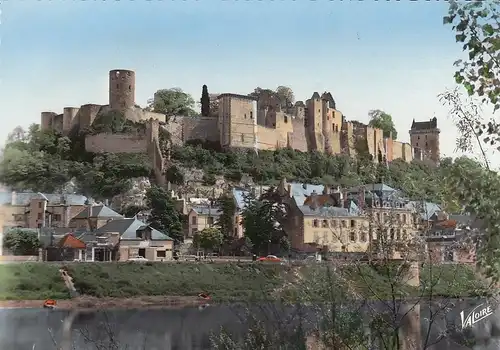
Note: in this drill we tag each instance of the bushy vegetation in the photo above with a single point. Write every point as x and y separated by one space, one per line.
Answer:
46 161
31 281
224 282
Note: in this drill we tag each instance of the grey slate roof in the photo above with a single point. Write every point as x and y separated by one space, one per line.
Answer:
24 198
209 211
127 229
98 211
325 211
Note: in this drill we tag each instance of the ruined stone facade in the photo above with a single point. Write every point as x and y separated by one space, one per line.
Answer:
244 122
424 138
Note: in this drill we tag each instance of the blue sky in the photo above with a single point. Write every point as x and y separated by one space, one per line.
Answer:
394 56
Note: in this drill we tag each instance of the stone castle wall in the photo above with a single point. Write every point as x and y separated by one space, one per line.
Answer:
116 143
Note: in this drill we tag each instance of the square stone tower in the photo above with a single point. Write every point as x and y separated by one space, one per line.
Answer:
424 139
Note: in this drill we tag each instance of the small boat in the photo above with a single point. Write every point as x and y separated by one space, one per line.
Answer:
49 304
204 296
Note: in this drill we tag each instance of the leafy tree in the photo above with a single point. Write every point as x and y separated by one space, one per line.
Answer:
477 27
164 217
382 120
209 239
262 222
225 223
172 102
22 241
205 102
286 95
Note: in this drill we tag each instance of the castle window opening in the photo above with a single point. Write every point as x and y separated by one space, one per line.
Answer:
130 87
242 138
416 144
319 110
274 125
426 144
117 86
418 137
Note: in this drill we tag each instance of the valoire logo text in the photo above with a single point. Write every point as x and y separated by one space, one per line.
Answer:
475 315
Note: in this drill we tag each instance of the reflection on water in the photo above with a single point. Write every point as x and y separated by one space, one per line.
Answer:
185 329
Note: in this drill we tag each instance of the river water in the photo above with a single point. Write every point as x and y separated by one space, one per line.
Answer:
190 328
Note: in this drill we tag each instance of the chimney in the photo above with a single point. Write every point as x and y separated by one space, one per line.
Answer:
13 200
362 197
344 198
326 189
289 189
314 200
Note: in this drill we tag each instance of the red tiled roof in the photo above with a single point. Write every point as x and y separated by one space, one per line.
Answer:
70 241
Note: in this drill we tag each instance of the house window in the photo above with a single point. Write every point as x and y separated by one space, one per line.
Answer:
285 118
193 220
245 116
344 223
39 204
353 223
315 223
352 236
210 220
194 231
404 218
363 236
325 223
336 128
251 115
39 216
161 254
398 234
56 217
392 234
142 252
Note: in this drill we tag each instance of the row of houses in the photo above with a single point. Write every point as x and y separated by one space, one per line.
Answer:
71 229
318 218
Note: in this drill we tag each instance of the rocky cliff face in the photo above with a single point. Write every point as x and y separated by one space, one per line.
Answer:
136 196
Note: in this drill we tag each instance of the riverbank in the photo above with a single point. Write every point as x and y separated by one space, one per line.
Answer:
161 283
93 303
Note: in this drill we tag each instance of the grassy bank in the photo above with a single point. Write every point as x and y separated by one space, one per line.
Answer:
225 282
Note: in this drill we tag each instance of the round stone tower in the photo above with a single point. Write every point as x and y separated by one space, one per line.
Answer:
121 89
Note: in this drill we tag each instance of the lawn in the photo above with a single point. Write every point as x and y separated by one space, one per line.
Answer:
224 282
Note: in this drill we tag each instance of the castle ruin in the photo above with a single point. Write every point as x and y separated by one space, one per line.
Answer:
242 121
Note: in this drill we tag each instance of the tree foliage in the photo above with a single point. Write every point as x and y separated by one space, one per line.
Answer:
382 120
476 26
22 241
205 102
164 217
417 179
46 161
262 218
210 238
284 93
172 102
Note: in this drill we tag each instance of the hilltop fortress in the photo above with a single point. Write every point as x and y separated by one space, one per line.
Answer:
243 122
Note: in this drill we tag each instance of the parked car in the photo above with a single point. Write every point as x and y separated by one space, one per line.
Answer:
138 258
269 258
